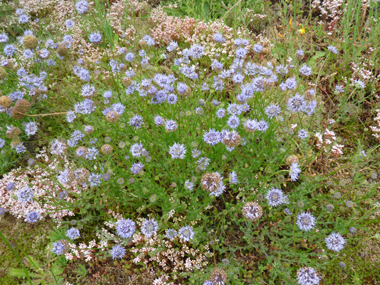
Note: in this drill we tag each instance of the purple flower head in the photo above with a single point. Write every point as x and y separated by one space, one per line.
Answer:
296 103
95 37
136 121
117 251
81 6
305 221
25 194
275 197
196 51
73 233
332 49
335 242
212 137
241 53
257 48
177 151
272 110
125 228
307 276
186 233
149 227
137 167
219 38
58 248
32 217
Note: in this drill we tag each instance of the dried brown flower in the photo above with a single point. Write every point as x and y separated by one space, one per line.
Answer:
112 117
22 106
218 276
106 149
292 159
62 50
89 130
30 42
13 133
252 211
232 139
81 151
5 102
210 182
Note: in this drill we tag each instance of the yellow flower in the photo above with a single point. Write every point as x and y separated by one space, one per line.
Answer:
302 31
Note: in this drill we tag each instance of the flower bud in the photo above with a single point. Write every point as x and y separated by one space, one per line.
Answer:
30 42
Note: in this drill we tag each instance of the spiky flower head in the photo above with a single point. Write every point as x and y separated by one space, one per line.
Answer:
177 151
32 217
170 233
305 221
250 125
25 194
218 276
335 242
58 147
73 233
210 182
307 276
125 228
275 197
252 211
30 42
149 227
5 102
58 248
186 233
117 251
231 139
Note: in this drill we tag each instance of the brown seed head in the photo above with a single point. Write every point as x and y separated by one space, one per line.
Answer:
30 42
252 211
81 151
218 276
143 43
62 50
210 182
5 102
112 117
232 139
106 149
82 175
127 81
292 159
21 106
88 130
13 133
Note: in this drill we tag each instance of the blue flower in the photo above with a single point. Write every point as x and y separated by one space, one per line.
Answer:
294 171
275 197
58 248
9 50
149 227
117 251
257 48
23 19
186 233
81 6
170 233
125 228
302 134
73 233
305 221
25 194
296 103
307 276
32 217
95 37
335 242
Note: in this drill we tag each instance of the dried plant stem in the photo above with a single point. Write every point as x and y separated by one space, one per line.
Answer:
49 114
230 9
